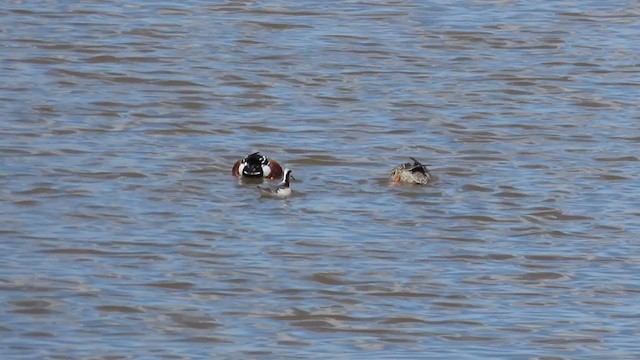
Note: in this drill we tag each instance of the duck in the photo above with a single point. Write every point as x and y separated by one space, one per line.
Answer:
409 173
257 166
282 190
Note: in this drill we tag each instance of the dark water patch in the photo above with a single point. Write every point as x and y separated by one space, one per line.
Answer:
479 218
257 128
82 252
511 194
402 320
328 279
15 152
468 338
455 305
183 132
280 26
178 83
27 202
541 276
38 334
42 60
172 285
107 59
205 340
119 309
195 322
609 177
192 105
463 239
125 79
500 257
279 11
566 341
615 159
34 311
40 191
163 33
595 104
336 99
552 258
299 314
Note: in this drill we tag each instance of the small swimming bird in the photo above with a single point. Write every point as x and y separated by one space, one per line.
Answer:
415 173
257 166
282 190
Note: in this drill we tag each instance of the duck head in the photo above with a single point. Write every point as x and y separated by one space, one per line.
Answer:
257 166
416 167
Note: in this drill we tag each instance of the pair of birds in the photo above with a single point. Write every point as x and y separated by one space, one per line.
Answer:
260 166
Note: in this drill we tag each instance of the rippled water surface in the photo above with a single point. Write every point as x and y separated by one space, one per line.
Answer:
125 236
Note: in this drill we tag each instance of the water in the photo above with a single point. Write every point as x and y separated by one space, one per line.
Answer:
124 235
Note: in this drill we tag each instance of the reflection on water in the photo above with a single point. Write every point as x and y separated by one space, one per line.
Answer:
124 234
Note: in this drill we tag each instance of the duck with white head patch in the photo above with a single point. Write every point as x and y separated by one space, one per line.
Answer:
282 190
257 166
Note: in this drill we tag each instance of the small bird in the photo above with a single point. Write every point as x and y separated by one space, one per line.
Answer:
257 166
415 173
282 190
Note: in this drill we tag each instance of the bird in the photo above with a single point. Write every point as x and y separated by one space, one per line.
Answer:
257 166
415 173
282 190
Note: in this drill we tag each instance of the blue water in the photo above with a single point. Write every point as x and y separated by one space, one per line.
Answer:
124 234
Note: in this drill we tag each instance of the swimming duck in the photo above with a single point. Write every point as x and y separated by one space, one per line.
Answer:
415 173
257 166
282 190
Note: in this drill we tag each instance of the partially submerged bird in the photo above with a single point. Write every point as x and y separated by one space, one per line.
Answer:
415 173
282 190
257 166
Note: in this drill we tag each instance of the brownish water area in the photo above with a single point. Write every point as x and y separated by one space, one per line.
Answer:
124 236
